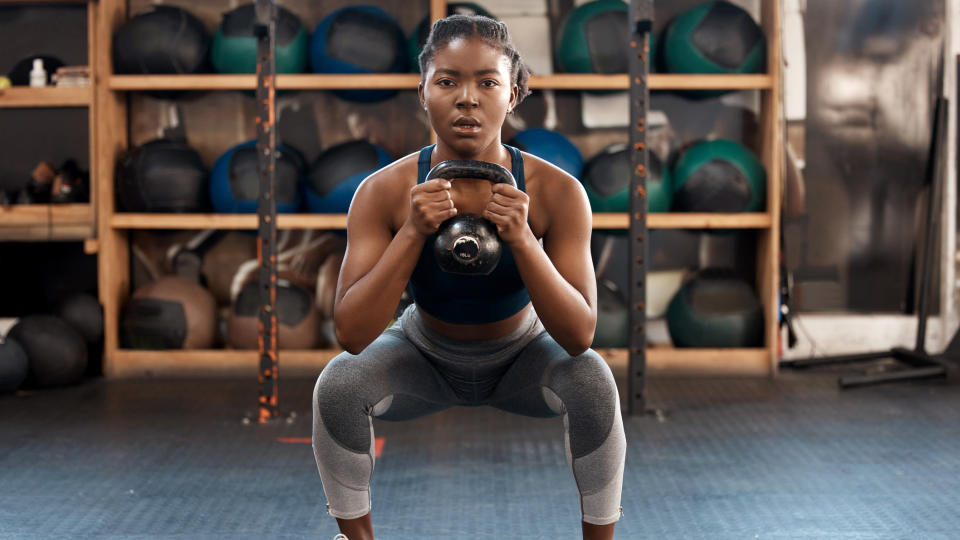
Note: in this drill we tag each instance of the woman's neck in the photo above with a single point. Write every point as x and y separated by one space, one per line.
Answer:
494 153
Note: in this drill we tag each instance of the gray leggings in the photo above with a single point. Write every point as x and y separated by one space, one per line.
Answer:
411 371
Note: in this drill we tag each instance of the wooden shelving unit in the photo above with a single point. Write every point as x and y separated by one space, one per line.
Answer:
218 363
124 220
55 222
113 226
404 81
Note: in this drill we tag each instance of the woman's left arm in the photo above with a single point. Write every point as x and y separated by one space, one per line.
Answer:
559 276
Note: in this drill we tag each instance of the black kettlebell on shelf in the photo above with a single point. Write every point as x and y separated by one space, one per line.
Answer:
468 243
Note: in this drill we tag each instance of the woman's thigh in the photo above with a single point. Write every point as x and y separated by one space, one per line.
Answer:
547 381
390 380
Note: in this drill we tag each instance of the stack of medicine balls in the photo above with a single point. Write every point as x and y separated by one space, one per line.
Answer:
712 308
352 39
711 176
54 349
165 175
715 36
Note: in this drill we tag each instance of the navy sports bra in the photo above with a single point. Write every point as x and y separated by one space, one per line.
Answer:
463 299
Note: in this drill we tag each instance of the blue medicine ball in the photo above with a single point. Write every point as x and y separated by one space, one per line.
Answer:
359 39
335 175
235 180
550 146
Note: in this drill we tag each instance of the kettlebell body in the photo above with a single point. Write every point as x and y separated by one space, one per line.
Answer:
468 243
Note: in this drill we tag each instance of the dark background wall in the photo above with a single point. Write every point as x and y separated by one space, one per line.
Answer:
33 135
34 277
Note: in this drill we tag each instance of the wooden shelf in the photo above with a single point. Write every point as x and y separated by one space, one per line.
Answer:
50 96
657 81
339 221
683 220
224 221
409 81
37 222
249 82
41 2
666 362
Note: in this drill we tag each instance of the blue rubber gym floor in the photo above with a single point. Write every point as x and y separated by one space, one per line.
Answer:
794 457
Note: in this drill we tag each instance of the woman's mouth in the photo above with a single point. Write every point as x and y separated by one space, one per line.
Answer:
465 126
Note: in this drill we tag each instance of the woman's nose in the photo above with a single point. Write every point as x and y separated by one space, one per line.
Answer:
467 97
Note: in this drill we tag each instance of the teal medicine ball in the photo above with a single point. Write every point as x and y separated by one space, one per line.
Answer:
719 176
594 38
715 309
606 178
714 37
613 317
234 48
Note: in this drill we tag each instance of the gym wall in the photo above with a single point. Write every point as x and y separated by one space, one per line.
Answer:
35 277
871 78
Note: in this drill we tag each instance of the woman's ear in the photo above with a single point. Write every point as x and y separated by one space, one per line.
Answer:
423 101
514 94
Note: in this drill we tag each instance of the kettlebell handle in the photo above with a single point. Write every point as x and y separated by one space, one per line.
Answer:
465 168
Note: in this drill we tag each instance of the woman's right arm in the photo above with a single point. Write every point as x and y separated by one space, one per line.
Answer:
377 264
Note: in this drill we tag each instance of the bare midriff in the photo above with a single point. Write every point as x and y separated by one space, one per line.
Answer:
476 332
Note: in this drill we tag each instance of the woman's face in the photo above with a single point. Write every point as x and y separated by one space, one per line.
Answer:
467 92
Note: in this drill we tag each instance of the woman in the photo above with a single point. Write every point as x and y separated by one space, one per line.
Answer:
517 339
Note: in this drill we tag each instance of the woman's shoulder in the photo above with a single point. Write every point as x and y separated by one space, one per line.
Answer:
398 176
556 197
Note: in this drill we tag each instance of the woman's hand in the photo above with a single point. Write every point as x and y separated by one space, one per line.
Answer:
430 205
507 209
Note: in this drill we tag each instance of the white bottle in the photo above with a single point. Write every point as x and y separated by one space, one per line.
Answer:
38 75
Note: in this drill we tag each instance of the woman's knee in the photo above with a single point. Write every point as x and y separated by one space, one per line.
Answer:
588 391
339 403
337 383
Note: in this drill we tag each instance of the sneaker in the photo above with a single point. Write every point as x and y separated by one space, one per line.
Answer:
340 536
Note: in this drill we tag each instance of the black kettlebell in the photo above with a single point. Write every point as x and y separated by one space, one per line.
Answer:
468 243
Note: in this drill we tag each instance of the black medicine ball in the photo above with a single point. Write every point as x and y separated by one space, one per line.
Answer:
83 312
162 176
13 365
57 353
167 40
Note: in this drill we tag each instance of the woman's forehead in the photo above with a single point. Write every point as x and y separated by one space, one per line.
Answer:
472 49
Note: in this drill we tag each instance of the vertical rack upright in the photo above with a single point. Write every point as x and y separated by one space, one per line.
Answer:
640 19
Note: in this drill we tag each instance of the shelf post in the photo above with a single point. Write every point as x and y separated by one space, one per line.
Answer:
641 24
266 31
111 139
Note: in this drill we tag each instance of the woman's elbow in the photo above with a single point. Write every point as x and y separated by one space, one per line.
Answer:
351 342
575 345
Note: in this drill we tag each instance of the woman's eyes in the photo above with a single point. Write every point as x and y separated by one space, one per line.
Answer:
488 83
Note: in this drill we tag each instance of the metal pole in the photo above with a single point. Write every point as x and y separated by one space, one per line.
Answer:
266 32
641 24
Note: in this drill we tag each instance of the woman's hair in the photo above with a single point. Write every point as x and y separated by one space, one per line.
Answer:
492 32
